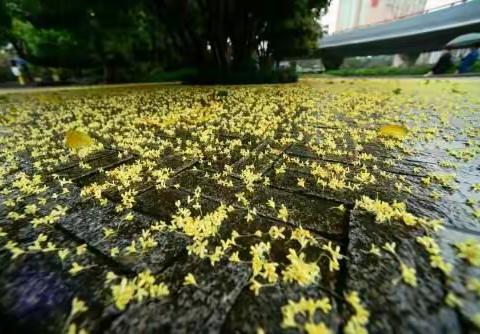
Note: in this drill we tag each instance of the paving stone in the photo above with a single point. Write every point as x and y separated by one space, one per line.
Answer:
37 290
190 179
101 161
87 222
317 214
251 313
391 308
188 309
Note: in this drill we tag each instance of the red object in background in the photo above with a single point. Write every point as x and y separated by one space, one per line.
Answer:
374 3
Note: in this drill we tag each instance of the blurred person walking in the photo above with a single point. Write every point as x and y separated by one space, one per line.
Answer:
469 60
16 71
444 63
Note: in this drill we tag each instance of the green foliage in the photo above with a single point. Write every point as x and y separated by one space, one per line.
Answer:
78 34
119 36
379 71
295 29
476 67
6 75
5 23
182 74
215 76
48 47
226 34
392 71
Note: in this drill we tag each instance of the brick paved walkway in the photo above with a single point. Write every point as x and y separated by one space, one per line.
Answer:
287 164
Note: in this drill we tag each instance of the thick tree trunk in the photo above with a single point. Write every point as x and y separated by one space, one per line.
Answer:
217 32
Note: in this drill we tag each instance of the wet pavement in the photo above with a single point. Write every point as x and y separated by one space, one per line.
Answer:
268 196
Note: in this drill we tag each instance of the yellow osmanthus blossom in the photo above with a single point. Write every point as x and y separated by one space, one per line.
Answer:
333 256
255 287
76 268
374 250
386 212
276 233
161 176
200 228
453 300
72 329
469 250
125 176
364 177
63 253
114 251
390 247
123 293
250 177
15 216
29 185
13 248
306 307
132 248
260 264
78 307
189 280
281 169
108 232
283 213
235 257
37 245
436 259
473 284
146 241
301 182
409 274
271 203
476 319
444 179
314 328
81 249
304 237
140 287
358 321
299 271
56 214
31 209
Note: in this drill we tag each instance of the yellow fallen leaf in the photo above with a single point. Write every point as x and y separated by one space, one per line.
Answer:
76 139
393 131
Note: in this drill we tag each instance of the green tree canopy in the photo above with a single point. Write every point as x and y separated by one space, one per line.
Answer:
220 34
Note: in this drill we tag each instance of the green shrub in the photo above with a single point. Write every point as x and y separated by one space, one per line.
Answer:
476 67
239 77
378 71
181 74
6 75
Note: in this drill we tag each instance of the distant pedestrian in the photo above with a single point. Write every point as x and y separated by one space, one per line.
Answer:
466 65
444 63
16 71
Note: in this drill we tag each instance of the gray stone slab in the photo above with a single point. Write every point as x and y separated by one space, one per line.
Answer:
394 306
311 212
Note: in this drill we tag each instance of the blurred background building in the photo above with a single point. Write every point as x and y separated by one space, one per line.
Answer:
356 13
344 15
351 14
